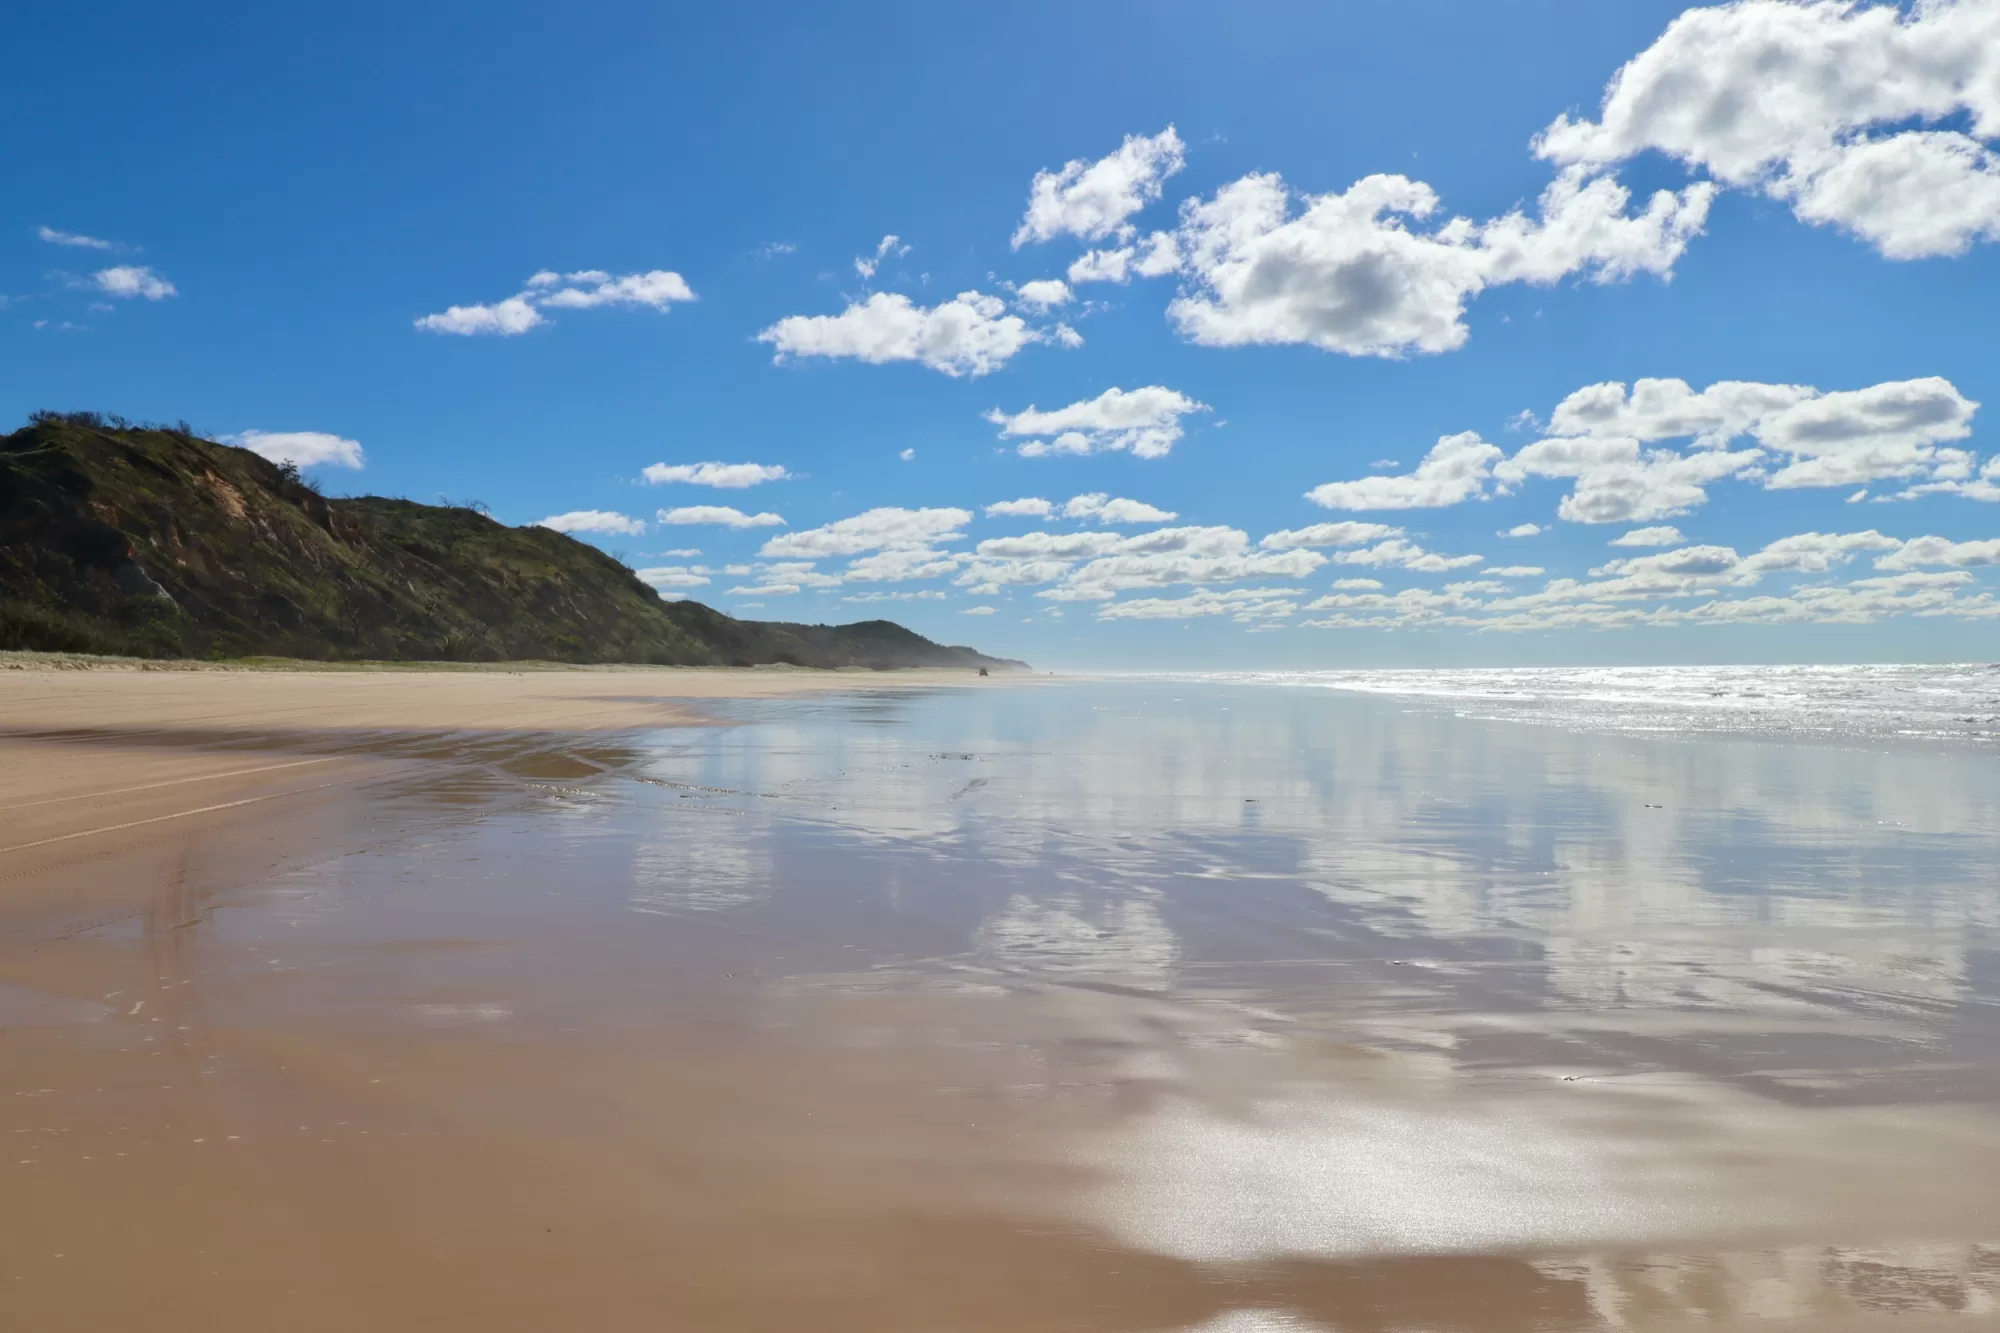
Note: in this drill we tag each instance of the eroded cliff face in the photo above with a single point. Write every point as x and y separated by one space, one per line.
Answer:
155 542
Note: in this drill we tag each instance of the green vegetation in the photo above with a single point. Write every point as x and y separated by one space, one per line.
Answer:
148 541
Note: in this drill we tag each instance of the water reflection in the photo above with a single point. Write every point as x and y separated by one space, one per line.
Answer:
1405 983
1233 1008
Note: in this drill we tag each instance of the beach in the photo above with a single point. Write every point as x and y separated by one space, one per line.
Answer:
641 999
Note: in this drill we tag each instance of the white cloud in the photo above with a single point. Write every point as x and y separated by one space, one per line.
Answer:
1615 481
725 476
1942 551
1615 595
1603 439
1243 605
54 237
1522 530
1358 583
502 319
1888 430
1093 200
1104 509
1096 566
129 280
1027 507
877 529
798 573
887 248
1514 571
1154 257
594 520
1043 294
1985 486
977 611
658 289
1835 108
1144 421
971 334
1351 274
672 576
682 553
718 514
1455 469
1894 429
927 595
300 448
1329 534
899 564
907 455
1400 552
1661 536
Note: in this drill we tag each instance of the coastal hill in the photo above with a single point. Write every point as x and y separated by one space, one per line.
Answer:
153 542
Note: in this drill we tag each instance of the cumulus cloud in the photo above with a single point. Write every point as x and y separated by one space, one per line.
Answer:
1456 469
971 334
1102 507
1522 530
594 520
657 290
1243 605
1605 440
300 448
129 280
54 237
875 530
1154 257
1661 536
1097 566
1043 294
1701 585
888 248
1093 200
661 577
502 319
1514 571
1405 554
1871 118
1026 507
1920 551
1617 481
722 515
1329 534
585 289
900 564
1353 273
977 611
1145 422
724 476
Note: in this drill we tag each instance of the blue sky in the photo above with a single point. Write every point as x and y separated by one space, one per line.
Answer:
281 202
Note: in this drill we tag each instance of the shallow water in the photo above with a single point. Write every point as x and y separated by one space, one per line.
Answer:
1113 1005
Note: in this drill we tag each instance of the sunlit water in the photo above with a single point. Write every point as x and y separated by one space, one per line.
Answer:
1959 701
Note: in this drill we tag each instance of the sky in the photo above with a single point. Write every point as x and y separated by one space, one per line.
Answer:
1112 335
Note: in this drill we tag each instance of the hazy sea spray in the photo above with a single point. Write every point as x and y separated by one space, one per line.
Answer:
1952 702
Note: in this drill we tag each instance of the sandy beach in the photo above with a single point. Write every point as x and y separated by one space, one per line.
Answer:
780 1000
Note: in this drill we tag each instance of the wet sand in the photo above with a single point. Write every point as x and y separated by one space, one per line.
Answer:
530 1002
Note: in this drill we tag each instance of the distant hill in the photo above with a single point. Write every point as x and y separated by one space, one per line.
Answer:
153 542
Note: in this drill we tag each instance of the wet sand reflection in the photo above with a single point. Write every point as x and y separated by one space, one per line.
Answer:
1088 1007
